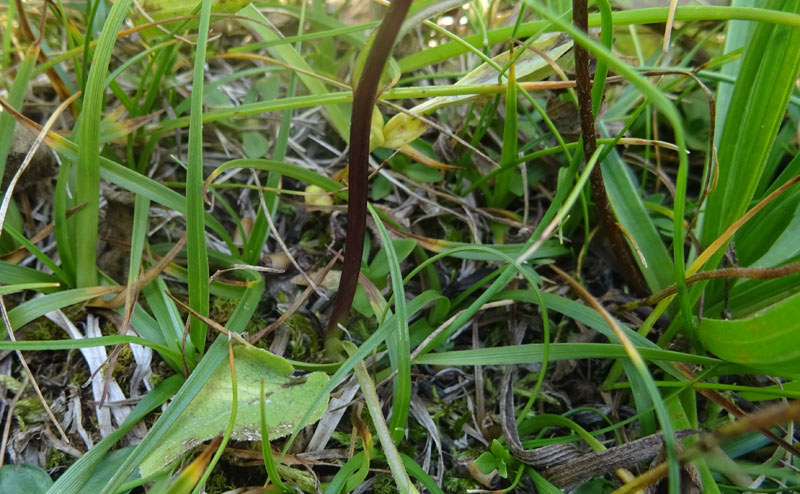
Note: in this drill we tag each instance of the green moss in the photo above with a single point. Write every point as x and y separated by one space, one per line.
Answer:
416 438
124 360
384 484
28 411
222 308
303 338
217 482
79 377
55 458
43 329
456 485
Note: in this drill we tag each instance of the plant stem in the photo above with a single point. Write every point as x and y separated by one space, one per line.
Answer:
627 263
363 104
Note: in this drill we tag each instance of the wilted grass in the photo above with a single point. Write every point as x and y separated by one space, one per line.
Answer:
216 133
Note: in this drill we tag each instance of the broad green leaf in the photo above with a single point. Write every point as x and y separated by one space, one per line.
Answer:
255 144
207 414
488 463
403 128
379 267
767 340
24 478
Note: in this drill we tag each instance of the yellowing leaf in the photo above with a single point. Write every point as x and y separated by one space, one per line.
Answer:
207 415
317 196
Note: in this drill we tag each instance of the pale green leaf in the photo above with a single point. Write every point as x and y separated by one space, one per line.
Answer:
287 399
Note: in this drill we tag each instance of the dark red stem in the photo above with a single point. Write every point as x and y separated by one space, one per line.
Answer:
363 103
583 86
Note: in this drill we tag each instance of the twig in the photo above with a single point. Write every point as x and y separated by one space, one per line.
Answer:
750 273
763 419
625 259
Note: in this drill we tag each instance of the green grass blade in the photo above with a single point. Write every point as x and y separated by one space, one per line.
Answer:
14 274
369 345
401 348
37 307
197 255
735 38
630 211
25 286
71 481
88 189
451 49
288 55
16 95
765 82
534 353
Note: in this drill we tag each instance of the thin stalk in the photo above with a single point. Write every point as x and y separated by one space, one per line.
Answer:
363 103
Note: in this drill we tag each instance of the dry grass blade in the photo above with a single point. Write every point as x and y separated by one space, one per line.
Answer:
673 5
142 281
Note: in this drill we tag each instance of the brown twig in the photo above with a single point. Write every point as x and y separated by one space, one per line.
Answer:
363 103
625 259
732 408
762 419
750 273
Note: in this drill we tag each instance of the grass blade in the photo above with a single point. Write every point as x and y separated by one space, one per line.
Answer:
88 189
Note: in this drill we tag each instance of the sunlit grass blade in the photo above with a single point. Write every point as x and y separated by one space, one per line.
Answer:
401 347
88 187
197 255
25 286
765 81
451 49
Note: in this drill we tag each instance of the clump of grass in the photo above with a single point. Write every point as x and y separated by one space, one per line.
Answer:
219 123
